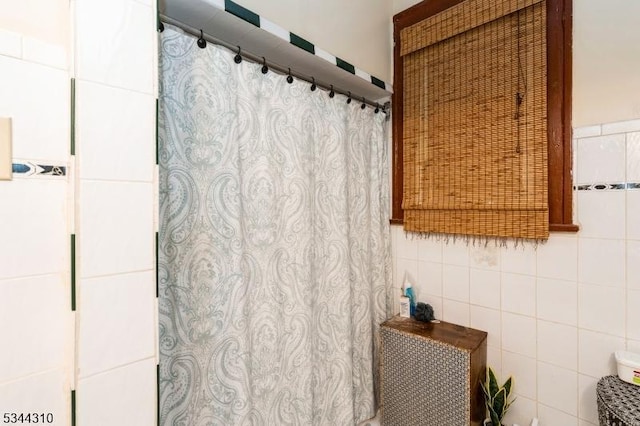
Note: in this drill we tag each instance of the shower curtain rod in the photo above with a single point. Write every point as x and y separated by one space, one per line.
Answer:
385 108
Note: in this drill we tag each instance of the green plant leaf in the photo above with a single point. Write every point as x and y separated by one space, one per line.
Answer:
507 386
495 420
492 382
499 402
485 391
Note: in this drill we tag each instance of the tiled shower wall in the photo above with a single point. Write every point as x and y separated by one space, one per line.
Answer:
36 322
100 344
555 313
115 84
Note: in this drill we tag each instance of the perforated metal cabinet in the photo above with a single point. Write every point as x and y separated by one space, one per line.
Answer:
431 373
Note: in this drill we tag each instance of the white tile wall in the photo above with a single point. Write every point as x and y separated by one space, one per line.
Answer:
549 416
455 283
488 320
633 314
125 396
112 123
595 252
10 43
621 127
484 288
35 324
596 353
430 250
34 235
116 199
455 253
601 159
523 369
116 227
37 98
526 410
633 264
587 409
558 388
601 214
633 207
518 260
564 306
519 334
558 344
119 309
518 294
429 280
633 157
47 392
558 301
36 321
594 301
35 50
114 43
455 312
558 258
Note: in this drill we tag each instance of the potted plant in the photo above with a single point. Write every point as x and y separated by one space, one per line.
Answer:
496 398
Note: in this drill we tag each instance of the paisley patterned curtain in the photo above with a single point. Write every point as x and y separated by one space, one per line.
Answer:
274 261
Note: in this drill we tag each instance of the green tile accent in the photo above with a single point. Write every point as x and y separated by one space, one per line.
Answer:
73 272
158 393
302 43
241 12
73 117
378 83
157 138
159 24
345 66
73 408
157 266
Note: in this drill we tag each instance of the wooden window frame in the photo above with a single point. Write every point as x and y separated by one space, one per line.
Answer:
559 84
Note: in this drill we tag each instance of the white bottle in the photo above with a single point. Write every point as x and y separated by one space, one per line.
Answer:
405 307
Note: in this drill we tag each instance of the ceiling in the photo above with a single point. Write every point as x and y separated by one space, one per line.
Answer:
269 41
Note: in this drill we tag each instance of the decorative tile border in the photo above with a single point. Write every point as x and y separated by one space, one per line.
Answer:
28 169
260 22
606 186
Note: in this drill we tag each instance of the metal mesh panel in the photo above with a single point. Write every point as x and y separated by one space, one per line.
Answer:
424 382
618 402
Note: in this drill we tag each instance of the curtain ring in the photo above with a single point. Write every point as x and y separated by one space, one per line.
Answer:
349 98
289 78
364 103
332 93
202 43
377 110
313 84
238 58
265 68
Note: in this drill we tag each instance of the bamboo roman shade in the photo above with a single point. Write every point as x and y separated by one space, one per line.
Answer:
474 111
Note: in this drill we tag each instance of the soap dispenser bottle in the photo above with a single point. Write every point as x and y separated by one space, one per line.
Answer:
408 292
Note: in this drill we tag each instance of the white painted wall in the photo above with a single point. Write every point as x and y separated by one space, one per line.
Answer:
357 31
606 60
44 20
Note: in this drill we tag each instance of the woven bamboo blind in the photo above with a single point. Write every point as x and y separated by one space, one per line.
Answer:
475 135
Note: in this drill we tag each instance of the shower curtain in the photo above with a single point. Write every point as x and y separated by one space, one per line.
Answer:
274 260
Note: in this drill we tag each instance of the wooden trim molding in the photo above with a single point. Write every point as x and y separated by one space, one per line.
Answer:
559 84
